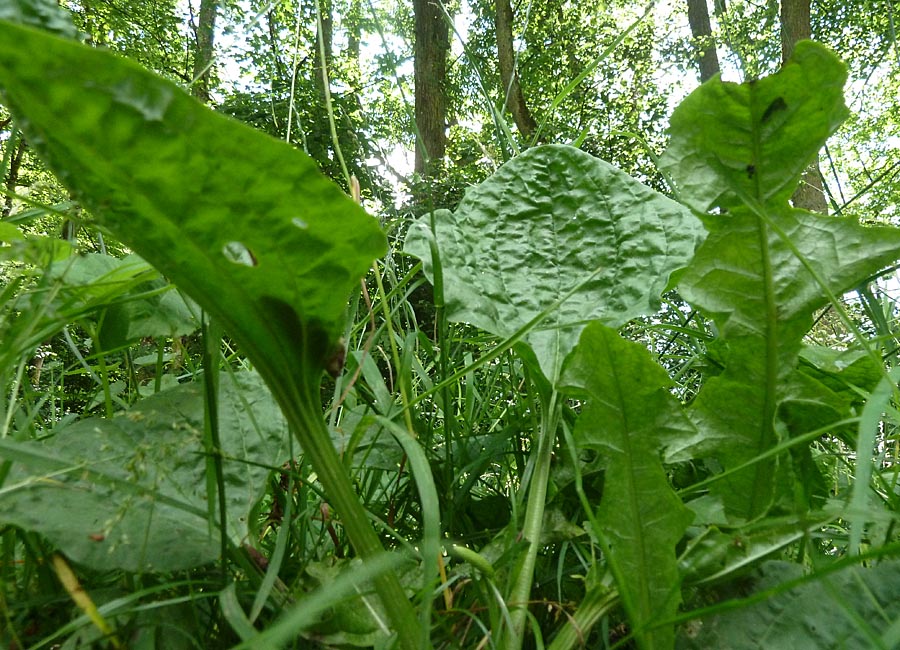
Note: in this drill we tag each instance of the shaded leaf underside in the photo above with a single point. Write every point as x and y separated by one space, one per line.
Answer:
128 493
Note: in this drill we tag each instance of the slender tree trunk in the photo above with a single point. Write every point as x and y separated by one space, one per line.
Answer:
514 99
698 17
353 23
432 45
318 141
354 28
324 37
203 53
12 177
795 26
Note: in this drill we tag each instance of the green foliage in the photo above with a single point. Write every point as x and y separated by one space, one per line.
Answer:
765 267
165 173
747 144
122 493
852 608
588 491
173 181
151 33
39 13
630 418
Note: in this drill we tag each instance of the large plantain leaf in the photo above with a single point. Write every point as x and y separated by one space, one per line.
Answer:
765 266
538 228
853 608
630 417
244 223
128 492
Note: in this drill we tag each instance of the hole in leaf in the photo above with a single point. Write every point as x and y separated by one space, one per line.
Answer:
237 253
300 223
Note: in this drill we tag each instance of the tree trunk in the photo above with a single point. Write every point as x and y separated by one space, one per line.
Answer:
795 26
698 17
12 177
324 37
203 54
354 28
432 45
514 99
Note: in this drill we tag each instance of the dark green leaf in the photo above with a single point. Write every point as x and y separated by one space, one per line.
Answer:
841 369
630 417
244 223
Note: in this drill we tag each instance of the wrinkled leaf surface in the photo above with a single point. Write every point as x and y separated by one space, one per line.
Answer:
538 228
852 608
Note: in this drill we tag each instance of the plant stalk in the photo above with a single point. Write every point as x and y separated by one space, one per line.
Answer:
309 428
534 523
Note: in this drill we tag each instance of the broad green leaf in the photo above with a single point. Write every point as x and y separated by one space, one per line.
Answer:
734 141
765 267
129 492
762 298
630 416
245 224
30 248
715 555
88 284
841 369
100 277
164 313
126 297
538 228
46 14
853 608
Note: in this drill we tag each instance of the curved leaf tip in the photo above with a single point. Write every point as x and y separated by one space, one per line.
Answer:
734 143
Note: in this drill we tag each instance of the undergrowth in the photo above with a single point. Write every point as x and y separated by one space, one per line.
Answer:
617 418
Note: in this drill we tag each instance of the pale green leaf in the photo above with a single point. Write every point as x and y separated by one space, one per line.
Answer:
46 14
540 226
853 608
129 492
